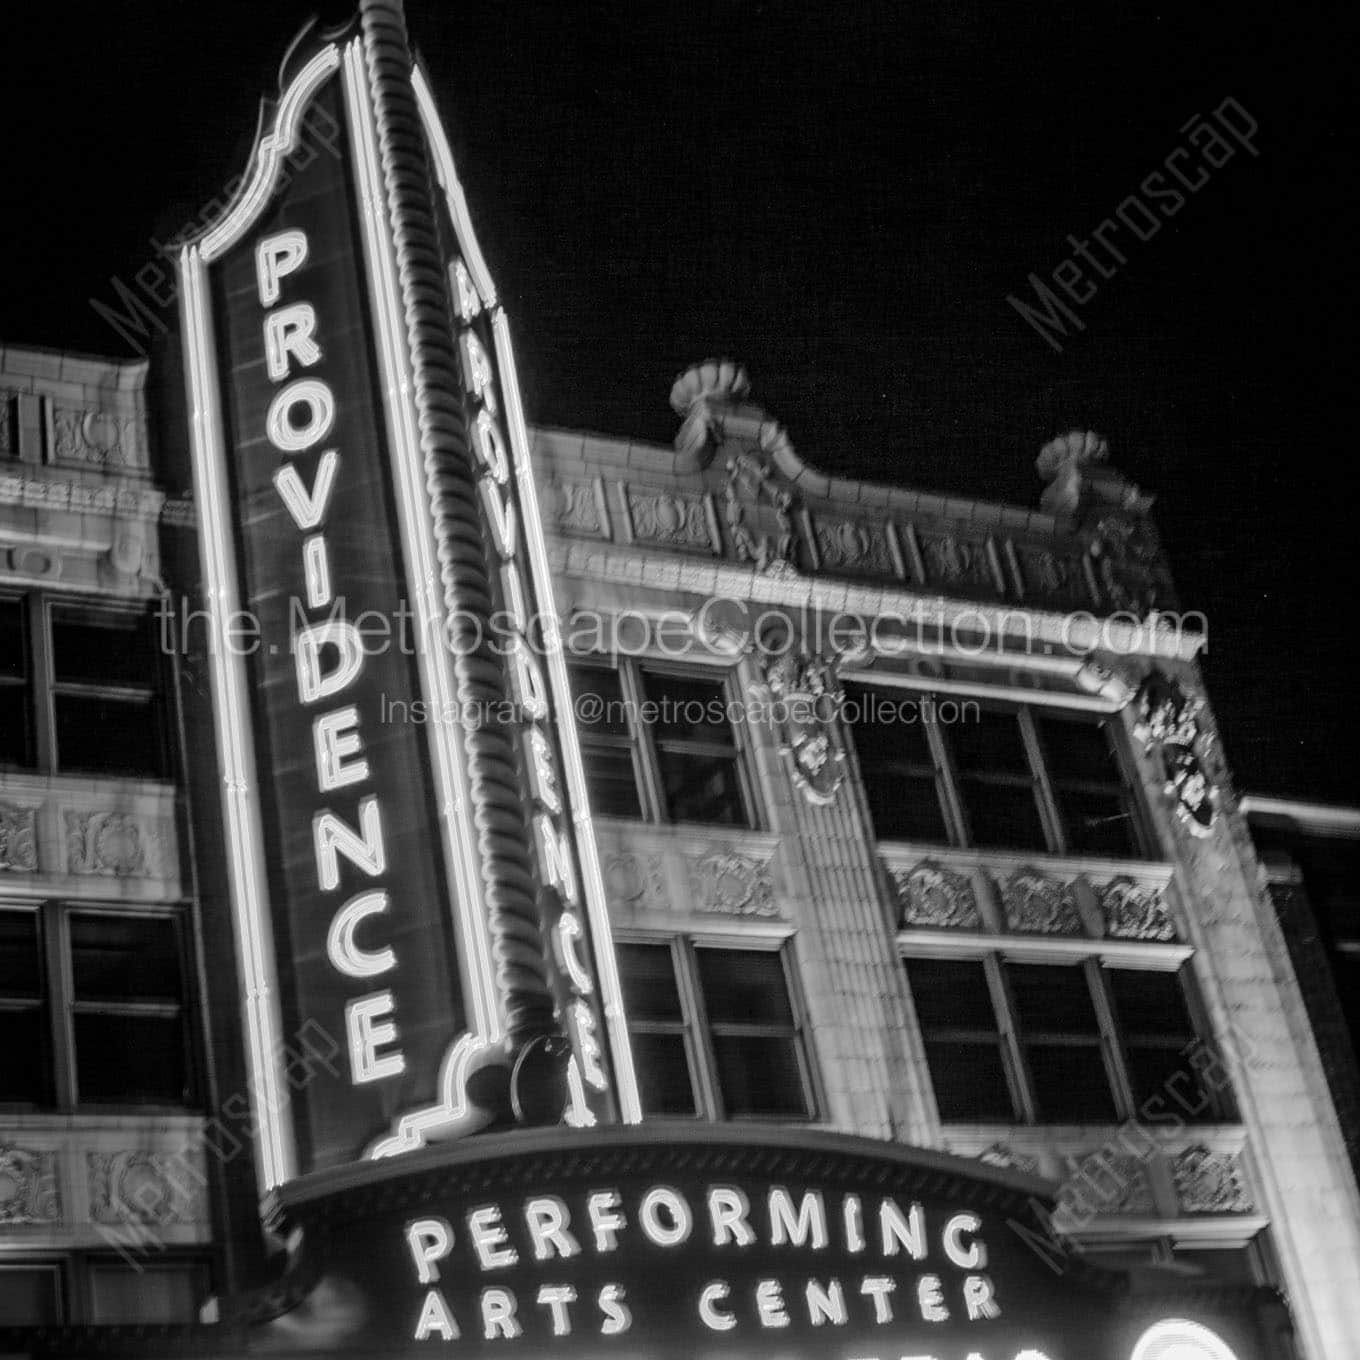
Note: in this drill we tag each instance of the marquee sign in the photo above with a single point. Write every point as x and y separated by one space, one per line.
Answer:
411 863
678 1245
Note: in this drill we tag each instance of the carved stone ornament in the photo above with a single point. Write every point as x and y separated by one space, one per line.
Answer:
801 691
110 844
1077 468
28 1186
1125 552
1134 911
1210 1182
931 895
751 481
1002 1155
732 884
1039 905
956 561
671 519
95 438
1168 725
144 1187
18 840
634 880
576 506
1107 1183
843 545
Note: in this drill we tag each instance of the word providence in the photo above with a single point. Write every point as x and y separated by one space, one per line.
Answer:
546 1229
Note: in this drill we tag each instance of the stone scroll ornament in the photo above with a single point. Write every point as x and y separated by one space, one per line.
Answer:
1168 725
801 691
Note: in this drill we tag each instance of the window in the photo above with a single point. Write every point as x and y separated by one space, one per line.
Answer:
80 689
92 1008
89 1288
1002 776
1042 1043
662 746
715 1032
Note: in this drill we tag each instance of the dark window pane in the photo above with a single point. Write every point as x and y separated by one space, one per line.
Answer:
744 986
1162 1076
1052 999
25 1067
30 1296
702 789
149 1294
663 1072
130 1059
103 648
128 958
882 739
648 976
1097 823
760 1076
1225 1265
20 957
687 708
989 743
109 736
904 807
1077 750
13 640
1003 815
969 1081
611 780
607 717
951 995
1150 1004
1070 1084
16 738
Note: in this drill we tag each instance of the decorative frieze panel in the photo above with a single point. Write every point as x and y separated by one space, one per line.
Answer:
159 1188
951 560
854 548
672 520
577 506
28 1187
729 883
931 895
1209 1182
18 839
1004 1156
98 439
1135 911
995 892
650 871
72 838
115 844
1039 905
1107 1182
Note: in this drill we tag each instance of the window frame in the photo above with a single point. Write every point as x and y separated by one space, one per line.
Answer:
1111 1034
74 1276
1041 780
43 689
645 744
698 1030
59 1001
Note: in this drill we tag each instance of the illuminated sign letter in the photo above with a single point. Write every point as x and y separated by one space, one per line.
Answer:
276 257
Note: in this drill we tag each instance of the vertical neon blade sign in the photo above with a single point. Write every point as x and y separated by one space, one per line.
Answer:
361 894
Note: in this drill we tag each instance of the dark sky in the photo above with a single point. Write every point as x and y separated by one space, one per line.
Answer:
841 195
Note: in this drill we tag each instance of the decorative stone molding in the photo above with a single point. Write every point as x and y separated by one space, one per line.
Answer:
697 396
578 506
18 839
1135 911
1002 1155
730 883
1125 552
1210 1182
751 481
161 1188
801 691
28 1187
99 439
1077 468
113 845
633 880
80 497
1168 725
931 895
844 545
1038 905
1046 574
672 519
1109 1183
951 560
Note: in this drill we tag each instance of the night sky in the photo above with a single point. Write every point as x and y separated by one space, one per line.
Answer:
841 196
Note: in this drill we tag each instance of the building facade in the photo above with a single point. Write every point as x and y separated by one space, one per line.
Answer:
835 935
